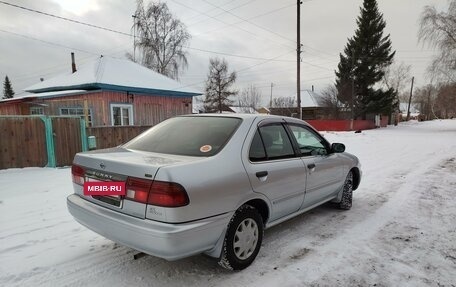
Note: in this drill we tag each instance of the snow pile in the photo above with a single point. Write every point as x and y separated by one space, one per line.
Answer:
400 232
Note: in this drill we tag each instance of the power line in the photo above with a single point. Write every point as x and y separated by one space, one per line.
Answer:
254 17
250 22
66 19
48 42
238 56
107 29
241 70
231 9
97 54
202 13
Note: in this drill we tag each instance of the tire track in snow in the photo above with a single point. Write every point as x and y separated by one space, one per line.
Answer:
325 258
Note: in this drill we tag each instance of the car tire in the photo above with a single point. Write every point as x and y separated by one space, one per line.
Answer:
347 193
243 239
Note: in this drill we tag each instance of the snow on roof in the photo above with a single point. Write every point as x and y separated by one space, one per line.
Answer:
114 74
243 110
309 99
25 95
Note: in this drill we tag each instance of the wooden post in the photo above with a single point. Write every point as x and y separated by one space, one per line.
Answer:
410 100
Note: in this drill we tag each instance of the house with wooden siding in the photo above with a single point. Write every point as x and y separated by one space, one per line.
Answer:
106 92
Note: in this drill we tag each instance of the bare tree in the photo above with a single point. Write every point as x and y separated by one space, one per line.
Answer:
329 100
284 102
161 39
284 106
438 29
424 100
397 76
445 102
218 91
250 98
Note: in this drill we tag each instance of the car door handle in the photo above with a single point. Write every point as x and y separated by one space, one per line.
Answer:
261 174
311 166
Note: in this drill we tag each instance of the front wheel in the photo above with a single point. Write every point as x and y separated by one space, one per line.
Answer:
243 239
347 193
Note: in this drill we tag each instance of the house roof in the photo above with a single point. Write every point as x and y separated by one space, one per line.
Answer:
309 99
243 110
108 73
31 96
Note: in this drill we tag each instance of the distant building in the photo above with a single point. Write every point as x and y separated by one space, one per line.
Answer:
242 110
106 92
264 110
311 105
414 112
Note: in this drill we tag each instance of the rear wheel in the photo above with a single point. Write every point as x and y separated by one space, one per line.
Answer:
347 193
243 239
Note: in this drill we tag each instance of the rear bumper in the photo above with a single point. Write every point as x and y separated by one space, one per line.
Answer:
164 240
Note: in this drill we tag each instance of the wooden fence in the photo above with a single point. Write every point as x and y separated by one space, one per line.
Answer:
40 141
113 136
22 142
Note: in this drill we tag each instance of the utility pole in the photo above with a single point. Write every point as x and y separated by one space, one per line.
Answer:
353 91
270 102
298 56
410 100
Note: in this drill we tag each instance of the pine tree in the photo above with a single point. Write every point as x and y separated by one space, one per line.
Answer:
362 65
218 85
8 92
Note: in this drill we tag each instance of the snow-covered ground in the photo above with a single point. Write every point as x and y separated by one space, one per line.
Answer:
401 230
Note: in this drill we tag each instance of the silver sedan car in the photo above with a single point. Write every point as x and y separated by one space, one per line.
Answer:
211 184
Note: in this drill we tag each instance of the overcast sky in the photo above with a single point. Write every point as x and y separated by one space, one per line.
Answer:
34 46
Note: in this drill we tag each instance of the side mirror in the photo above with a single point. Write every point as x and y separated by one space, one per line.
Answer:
337 147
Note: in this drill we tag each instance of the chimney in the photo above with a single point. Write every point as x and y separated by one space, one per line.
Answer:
312 88
73 63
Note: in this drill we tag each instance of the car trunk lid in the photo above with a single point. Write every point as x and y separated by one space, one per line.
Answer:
137 169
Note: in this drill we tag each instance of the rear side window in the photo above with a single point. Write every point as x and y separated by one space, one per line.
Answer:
191 136
269 143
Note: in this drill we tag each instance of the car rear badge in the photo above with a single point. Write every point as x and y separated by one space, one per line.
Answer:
102 165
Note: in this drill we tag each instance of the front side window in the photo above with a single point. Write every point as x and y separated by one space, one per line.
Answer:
308 141
269 143
191 136
121 114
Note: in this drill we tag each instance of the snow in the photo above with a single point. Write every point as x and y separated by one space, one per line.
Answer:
309 99
400 231
45 95
243 110
112 71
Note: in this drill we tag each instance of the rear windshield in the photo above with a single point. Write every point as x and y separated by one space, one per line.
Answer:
192 136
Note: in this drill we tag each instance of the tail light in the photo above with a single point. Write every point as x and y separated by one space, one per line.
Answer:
138 189
167 194
159 193
78 174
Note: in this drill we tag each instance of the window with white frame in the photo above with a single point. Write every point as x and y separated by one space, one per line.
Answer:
36 110
121 114
74 111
